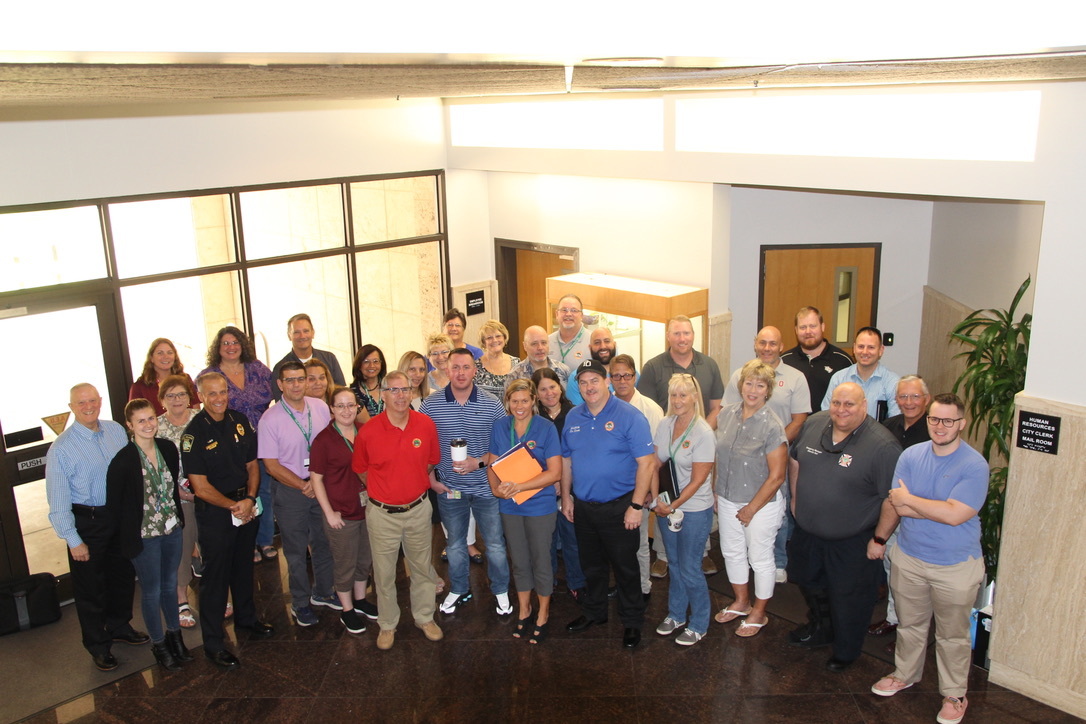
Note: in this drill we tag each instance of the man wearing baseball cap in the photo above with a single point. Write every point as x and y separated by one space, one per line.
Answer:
607 466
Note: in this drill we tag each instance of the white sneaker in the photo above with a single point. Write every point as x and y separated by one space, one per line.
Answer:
688 638
504 607
782 575
454 601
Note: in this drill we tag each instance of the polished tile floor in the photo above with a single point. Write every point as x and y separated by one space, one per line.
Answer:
479 674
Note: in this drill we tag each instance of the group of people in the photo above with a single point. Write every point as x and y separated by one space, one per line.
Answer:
789 456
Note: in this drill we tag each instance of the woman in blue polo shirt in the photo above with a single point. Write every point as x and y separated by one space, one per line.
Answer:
528 526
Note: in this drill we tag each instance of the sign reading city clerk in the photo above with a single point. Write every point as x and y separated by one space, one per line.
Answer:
1038 432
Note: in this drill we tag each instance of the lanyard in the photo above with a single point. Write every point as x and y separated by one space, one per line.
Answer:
513 439
307 434
350 445
571 345
674 448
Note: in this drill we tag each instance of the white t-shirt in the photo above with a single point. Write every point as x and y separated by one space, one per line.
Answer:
698 446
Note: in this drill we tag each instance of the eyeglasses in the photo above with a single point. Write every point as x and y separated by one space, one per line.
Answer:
398 390
371 362
176 395
225 343
915 397
439 353
569 310
622 376
944 421
345 406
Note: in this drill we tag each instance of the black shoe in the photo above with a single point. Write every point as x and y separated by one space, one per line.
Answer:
223 659
258 630
353 621
837 666
631 637
477 559
365 608
106 661
132 637
164 657
176 644
809 637
583 623
612 591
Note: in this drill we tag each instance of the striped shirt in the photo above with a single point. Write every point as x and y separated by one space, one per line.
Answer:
75 472
472 421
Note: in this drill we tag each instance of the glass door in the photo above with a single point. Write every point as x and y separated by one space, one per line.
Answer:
62 343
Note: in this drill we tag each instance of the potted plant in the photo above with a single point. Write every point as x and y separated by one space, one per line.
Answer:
997 348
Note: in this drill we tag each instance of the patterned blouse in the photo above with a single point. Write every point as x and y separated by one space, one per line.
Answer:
373 404
159 509
492 383
168 431
253 401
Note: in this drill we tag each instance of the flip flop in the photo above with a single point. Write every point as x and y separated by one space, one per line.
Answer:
728 615
748 629
269 551
184 613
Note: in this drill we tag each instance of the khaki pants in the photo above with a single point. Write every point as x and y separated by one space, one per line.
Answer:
413 530
921 590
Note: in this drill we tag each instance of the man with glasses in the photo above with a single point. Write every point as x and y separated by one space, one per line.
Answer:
286 435
681 357
608 461
464 414
840 471
790 402
623 380
879 383
300 333
910 428
816 358
537 349
103 579
939 486
569 345
397 452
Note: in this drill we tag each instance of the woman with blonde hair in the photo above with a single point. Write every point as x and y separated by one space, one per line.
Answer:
413 364
495 367
752 454
684 445
438 347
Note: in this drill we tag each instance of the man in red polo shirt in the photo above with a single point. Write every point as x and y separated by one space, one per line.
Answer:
396 452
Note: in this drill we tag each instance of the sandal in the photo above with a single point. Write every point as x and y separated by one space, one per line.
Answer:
257 555
439 587
268 551
730 614
539 635
747 629
522 623
184 613
229 610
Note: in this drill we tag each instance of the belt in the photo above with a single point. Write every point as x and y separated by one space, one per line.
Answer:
238 494
399 508
607 502
94 511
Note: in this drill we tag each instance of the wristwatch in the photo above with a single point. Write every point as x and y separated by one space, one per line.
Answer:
636 506
250 497
880 541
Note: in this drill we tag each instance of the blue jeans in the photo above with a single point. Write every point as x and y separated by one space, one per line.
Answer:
784 533
156 566
265 532
688 585
571 556
455 514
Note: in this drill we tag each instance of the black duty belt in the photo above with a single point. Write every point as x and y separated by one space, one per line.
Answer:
399 508
92 511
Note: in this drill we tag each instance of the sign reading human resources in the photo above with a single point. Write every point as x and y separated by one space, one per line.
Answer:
1038 432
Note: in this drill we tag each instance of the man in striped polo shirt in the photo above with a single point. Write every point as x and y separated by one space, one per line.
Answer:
463 412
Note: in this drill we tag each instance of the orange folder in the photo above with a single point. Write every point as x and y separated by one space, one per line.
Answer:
518 466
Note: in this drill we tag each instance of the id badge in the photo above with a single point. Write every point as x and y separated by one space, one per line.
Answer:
363 498
305 463
454 495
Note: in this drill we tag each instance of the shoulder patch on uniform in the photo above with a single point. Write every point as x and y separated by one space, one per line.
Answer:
186 443
241 429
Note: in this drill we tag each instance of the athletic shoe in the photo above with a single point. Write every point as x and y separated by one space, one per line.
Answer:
503 607
304 616
658 569
669 626
953 710
708 567
688 638
454 601
365 608
888 686
782 575
352 622
330 601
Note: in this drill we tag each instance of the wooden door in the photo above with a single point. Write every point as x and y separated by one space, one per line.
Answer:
533 268
840 280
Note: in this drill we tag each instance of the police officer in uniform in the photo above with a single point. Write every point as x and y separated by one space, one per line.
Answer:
218 451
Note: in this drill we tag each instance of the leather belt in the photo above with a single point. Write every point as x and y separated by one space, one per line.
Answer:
398 508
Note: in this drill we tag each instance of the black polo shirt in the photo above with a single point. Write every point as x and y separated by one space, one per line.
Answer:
818 370
907 437
219 450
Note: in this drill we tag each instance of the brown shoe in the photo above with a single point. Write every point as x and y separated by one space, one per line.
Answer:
432 630
708 567
386 638
881 628
658 569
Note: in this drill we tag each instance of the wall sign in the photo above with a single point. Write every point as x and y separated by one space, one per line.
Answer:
1038 432
476 303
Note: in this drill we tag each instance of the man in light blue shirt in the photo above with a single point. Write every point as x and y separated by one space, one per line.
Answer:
879 384
103 580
